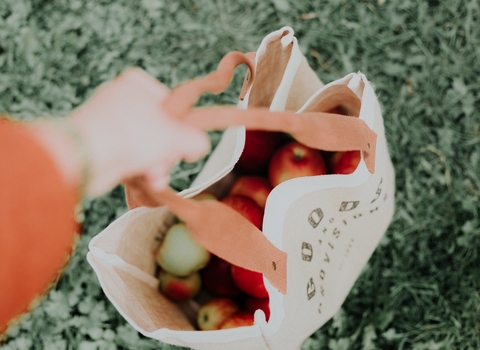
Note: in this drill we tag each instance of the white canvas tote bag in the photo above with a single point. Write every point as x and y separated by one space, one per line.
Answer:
318 231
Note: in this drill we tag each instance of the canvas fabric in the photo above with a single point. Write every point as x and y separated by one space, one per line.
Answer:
326 226
283 77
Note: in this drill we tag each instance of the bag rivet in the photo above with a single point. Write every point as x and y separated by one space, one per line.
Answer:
274 265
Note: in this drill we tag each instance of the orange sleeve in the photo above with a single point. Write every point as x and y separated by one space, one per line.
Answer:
37 226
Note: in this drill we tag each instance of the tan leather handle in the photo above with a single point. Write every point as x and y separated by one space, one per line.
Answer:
226 234
325 131
183 97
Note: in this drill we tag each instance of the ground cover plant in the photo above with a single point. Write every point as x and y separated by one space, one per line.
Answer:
420 290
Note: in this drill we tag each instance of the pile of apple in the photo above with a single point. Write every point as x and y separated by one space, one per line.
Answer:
189 272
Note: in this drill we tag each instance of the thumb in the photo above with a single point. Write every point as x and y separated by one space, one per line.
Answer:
196 146
157 177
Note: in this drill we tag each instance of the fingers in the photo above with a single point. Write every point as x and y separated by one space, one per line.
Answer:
164 140
196 145
142 80
192 143
157 177
189 145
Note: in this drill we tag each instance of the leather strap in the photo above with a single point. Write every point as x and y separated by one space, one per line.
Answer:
183 97
325 131
223 232
216 226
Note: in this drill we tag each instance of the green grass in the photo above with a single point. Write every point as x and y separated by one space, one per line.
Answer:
420 289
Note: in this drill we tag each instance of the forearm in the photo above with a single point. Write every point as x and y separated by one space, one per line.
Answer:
37 226
83 155
64 150
124 132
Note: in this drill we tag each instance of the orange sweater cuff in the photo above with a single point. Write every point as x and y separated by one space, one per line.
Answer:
37 221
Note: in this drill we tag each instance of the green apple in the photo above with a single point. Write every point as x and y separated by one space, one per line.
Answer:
179 253
205 195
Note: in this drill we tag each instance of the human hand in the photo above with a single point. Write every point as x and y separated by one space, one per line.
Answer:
127 134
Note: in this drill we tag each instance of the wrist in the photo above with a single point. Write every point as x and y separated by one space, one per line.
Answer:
97 135
66 148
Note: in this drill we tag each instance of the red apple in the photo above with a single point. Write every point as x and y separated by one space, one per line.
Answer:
217 277
295 160
254 187
344 162
259 148
253 304
246 207
238 319
212 314
179 288
250 282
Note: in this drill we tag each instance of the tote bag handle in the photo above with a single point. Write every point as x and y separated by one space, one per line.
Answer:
325 131
211 222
